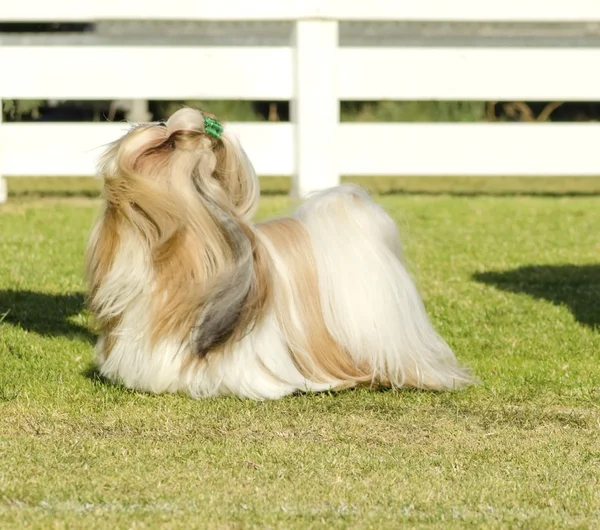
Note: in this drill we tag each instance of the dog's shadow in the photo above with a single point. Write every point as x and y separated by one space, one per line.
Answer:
574 286
44 313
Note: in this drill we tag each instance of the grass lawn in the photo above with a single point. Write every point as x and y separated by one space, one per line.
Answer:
510 277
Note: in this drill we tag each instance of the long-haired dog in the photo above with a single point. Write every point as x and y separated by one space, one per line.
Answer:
191 296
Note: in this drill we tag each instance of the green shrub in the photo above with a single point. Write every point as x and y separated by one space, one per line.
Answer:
413 111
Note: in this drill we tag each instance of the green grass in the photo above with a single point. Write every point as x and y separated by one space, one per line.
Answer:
511 278
39 187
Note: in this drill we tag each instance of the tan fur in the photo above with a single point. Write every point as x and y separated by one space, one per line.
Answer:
181 276
315 352
100 255
259 296
189 264
231 174
99 261
148 186
109 331
179 286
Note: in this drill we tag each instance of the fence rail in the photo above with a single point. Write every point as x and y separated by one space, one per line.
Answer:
450 149
267 73
315 73
242 10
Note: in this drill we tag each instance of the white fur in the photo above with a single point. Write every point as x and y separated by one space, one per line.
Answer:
238 372
371 304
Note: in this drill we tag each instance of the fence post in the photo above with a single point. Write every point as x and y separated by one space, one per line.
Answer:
3 187
315 108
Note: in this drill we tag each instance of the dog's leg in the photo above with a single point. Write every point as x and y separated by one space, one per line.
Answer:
370 302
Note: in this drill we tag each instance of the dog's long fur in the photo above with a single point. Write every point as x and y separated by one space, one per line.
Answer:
191 296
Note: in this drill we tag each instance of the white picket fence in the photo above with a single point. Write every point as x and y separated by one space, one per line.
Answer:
315 73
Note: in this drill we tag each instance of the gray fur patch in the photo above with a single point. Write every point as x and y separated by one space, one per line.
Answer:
224 301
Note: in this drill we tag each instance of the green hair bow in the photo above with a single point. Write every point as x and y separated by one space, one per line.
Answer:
213 127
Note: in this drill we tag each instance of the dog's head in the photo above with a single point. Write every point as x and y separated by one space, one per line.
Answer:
188 155
183 193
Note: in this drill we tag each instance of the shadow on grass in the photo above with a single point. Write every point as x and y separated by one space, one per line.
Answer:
44 313
92 373
574 286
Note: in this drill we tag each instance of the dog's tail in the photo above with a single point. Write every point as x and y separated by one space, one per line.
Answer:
370 302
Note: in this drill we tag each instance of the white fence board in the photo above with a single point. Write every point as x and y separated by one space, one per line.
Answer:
72 149
361 149
263 73
464 149
465 10
418 10
513 74
138 72
76 10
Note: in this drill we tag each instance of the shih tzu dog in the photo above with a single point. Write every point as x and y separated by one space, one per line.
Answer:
191 296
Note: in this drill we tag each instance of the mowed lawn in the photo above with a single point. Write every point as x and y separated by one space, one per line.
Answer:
511 279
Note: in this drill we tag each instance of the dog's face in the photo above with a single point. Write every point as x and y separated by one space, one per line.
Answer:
180 158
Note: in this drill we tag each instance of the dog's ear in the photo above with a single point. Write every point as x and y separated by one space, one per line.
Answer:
224 301
233 294
228 190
